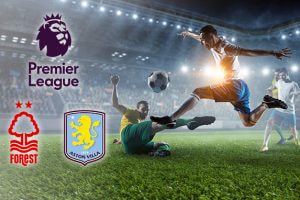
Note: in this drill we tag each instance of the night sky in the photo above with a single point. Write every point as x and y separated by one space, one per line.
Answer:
245 13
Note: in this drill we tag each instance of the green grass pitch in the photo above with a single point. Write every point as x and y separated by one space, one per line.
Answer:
205 165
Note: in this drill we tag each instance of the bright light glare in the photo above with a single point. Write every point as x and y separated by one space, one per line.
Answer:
102 9
294 68
119 12
135 16
266 71
244 72
213 72
184 69
84 4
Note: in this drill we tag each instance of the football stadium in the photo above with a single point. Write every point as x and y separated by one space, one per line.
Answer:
60 59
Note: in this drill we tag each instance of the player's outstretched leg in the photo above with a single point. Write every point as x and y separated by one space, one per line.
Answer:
190 123
295 134
251 119
267 135
189 104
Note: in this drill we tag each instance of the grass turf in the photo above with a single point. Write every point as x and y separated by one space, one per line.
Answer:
208 165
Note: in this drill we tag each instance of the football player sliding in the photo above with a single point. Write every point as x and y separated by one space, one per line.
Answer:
136 134
233 89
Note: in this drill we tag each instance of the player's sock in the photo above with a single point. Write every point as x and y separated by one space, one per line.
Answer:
192 123
162 120
178 123
278 129
267 135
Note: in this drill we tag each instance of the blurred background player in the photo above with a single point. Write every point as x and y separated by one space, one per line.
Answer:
136 134
287 90
274 93
233 89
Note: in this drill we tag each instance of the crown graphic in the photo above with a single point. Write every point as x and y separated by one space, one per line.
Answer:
47 18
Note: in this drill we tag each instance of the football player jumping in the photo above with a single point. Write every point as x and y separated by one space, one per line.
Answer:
233 89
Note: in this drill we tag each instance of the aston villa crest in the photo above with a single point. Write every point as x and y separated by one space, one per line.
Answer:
84 136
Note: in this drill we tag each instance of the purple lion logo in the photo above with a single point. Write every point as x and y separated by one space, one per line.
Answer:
54 35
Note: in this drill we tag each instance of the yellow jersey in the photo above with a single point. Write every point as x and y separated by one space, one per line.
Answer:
131 116
274 91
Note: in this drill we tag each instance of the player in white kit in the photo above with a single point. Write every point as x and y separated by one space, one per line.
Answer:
287 90
233 89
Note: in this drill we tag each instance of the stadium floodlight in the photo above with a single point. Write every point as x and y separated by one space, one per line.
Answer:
150 20
84 4
124 54
224 37
178 27
102 9
3 37
190 29
164 23
135 16
184 69
294 68
23 40
119 12
283 37
297 32
63 0
265 71
233 39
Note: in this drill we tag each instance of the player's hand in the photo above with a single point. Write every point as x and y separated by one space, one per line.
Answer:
114 79
286 52
184 34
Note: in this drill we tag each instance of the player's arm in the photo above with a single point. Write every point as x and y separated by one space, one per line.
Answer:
286 52
270 89
185 34
115 100
296 90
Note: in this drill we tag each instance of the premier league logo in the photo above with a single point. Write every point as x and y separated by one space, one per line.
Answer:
84 133
53 35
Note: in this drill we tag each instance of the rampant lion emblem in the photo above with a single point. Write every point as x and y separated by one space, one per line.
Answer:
85 137
54 35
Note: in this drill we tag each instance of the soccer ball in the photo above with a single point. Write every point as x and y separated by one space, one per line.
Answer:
158 81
